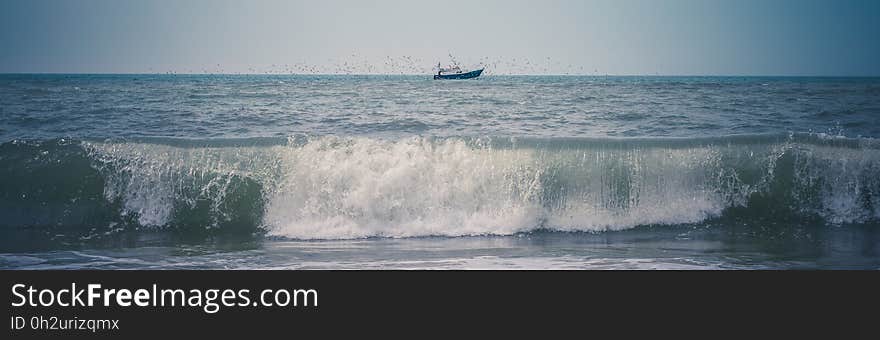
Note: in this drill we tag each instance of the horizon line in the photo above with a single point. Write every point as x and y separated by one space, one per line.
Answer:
430 74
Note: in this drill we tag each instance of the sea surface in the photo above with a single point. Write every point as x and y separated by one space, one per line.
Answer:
405 172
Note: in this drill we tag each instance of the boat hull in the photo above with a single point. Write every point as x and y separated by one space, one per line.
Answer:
466 75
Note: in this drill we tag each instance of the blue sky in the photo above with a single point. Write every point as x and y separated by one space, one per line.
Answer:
674 37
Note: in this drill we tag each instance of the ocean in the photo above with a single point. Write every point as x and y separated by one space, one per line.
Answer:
405 172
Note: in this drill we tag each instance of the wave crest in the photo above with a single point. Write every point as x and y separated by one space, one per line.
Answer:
351 187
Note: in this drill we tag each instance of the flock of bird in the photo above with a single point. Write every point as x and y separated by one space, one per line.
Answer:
357 64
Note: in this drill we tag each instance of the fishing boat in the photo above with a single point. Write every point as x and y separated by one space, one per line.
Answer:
456 72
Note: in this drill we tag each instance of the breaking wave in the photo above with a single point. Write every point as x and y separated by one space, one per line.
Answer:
331 187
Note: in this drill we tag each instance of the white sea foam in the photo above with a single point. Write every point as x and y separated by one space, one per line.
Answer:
353 187
359 187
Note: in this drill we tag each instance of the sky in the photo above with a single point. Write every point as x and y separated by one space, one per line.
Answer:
617 37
